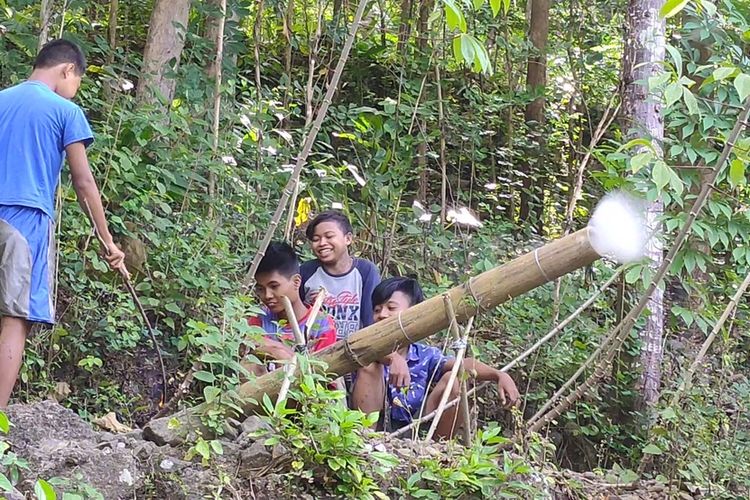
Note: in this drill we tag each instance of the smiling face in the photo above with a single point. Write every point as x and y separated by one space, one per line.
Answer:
272 286
329 242
396 303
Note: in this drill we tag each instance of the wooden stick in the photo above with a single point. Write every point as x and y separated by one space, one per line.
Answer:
456 371
300 339
134 296
729 310
627 323
307 147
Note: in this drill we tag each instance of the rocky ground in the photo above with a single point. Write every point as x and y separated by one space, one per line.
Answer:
58 444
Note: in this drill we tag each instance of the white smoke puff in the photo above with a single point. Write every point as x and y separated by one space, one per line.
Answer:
618 228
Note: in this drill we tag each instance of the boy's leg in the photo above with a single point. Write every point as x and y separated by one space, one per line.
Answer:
13 333
369 389
451 419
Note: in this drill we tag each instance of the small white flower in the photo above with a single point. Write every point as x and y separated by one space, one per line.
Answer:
229 160
126 85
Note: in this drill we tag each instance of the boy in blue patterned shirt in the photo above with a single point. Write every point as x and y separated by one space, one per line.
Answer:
428 370
39 128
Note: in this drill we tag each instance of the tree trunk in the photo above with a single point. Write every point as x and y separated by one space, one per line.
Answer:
404 28
425 9
45 17
112 31
166 39
642 116
536 80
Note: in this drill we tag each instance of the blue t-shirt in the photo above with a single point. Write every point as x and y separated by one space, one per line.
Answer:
36 125
349 295
426 365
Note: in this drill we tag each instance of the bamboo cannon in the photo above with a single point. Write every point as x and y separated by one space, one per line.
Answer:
481 293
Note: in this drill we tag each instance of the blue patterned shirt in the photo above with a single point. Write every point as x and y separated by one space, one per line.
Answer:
426 367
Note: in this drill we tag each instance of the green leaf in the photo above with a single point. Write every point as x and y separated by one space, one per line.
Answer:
722 73
467 49
661 175
5 483
454 17
4 423
478 4
652 449
640 160
676 58
742 84
635 143
672 7
690 101
44 491
672 93
506 6
210 393
495 5
457 48
668 414
205 376
737 172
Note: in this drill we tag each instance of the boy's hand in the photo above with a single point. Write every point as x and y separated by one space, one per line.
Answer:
507 390
115 258
399 375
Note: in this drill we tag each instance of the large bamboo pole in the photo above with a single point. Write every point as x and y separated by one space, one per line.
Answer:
479 294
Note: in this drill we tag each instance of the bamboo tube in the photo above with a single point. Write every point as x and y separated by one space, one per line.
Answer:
481 293
299 339
457 371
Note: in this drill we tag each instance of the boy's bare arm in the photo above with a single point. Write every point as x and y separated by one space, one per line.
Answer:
506 386
273 349
91 202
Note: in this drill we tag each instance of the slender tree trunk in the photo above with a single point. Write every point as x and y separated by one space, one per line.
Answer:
404 28
642 116
425 9
45 17
288 25
216 31
112 31
536 80
166 39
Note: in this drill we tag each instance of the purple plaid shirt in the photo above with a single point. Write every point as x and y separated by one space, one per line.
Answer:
426 367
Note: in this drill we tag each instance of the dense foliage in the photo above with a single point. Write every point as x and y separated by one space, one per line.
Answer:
410 117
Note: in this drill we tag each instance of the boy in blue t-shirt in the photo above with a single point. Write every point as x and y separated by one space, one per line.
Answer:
427 367
39 128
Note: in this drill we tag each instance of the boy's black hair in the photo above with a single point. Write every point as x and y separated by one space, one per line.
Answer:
408 286
60 52
329 216
280 258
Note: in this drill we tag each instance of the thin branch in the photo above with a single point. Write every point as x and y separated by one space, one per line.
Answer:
307 147
687 379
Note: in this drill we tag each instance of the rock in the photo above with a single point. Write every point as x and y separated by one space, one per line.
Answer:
173 430
58 443
256 456
254 424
